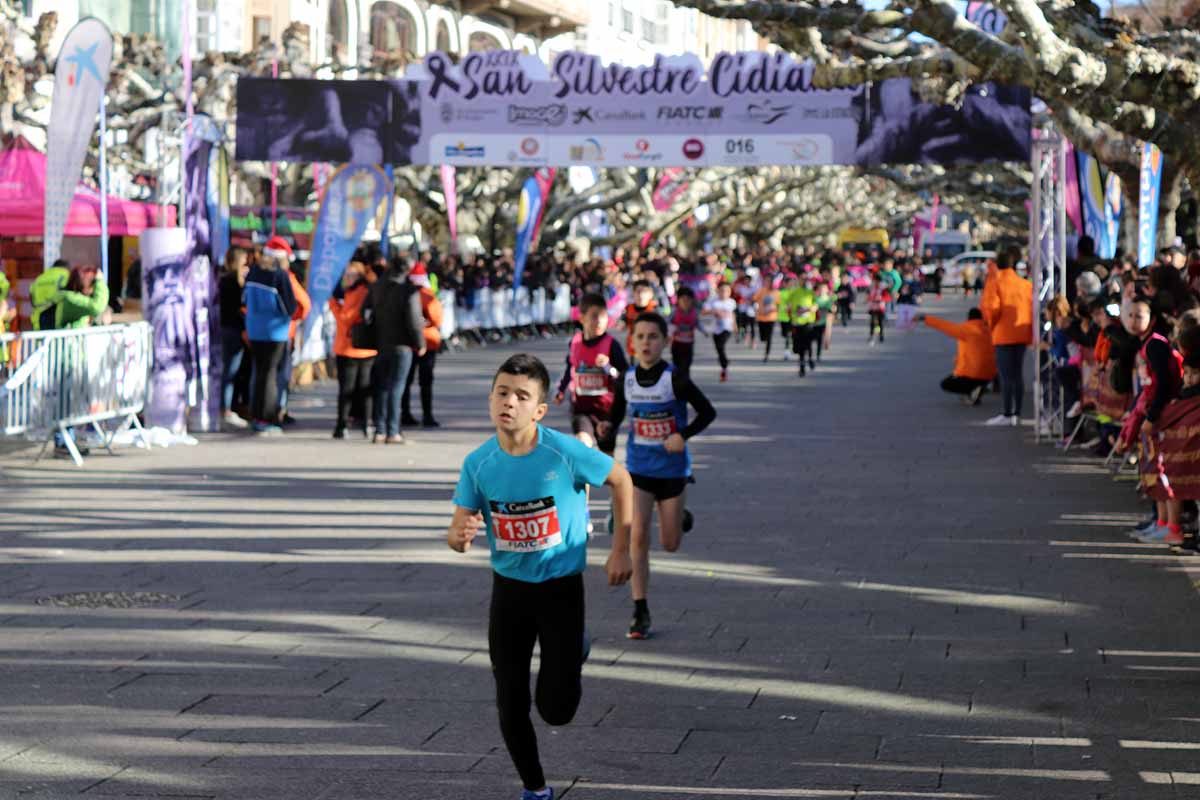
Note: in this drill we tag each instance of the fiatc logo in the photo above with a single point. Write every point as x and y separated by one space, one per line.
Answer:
693 149
463 150
642 152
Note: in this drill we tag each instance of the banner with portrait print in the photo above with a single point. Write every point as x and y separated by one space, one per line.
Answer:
507 108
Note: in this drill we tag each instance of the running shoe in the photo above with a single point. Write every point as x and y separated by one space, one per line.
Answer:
545 794
430 423
408 421
724 376
1156 536
1075 410
233 422
688 521
1174 538
1143 528
267 429
998 421
639 626
339 432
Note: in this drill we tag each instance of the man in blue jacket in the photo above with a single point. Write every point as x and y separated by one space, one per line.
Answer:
270 303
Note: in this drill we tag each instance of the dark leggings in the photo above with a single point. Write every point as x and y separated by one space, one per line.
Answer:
522 614
719 341
681 356
766 331
265 396
1010 361
422 370
354 388
800 339
877 323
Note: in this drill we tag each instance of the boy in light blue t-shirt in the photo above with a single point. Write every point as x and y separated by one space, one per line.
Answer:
527 487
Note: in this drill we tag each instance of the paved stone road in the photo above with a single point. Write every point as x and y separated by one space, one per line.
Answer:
881 599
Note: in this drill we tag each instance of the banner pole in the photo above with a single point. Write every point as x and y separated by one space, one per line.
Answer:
274 165
104 185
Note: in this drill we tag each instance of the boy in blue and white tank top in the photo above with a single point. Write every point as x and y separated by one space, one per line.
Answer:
657 397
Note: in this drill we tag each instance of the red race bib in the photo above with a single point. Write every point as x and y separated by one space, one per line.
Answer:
525 526
591 382
653 428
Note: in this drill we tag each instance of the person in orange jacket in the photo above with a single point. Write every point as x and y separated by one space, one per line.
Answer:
283 378
975 360
1007 306
422 367
354 364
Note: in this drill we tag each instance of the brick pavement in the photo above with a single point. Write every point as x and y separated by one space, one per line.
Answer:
882 599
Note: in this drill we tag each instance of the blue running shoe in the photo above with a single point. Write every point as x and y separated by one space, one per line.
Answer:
545 794
1155 536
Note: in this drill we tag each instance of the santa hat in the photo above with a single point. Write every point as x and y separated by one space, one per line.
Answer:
418 275
277 247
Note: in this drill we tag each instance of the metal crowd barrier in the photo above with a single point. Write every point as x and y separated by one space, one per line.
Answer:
497 309
59 380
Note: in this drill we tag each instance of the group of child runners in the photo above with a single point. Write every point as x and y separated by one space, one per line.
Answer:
528 487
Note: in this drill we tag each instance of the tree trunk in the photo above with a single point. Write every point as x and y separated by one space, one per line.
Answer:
1168 203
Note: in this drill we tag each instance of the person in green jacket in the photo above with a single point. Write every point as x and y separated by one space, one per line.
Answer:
785 311
5 315
82 301
43 295
803 309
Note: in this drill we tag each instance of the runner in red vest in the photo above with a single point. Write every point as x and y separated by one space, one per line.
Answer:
595 362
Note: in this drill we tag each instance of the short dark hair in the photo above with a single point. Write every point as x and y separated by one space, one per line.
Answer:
974 313
685 291
654 319
591 300
524 364
641 284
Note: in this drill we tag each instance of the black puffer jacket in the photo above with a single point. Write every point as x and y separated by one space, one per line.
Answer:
396 305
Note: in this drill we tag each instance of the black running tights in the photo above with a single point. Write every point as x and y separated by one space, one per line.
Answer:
719 341
550 613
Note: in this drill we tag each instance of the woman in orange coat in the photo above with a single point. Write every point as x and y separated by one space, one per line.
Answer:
353 363
422 367
1007 306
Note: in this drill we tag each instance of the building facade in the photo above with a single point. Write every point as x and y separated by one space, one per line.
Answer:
357 32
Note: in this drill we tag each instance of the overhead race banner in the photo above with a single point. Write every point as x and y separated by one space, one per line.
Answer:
80 78
1151 186
340 122
352 199
507 109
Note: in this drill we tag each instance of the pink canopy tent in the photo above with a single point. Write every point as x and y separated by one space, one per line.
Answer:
23 201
